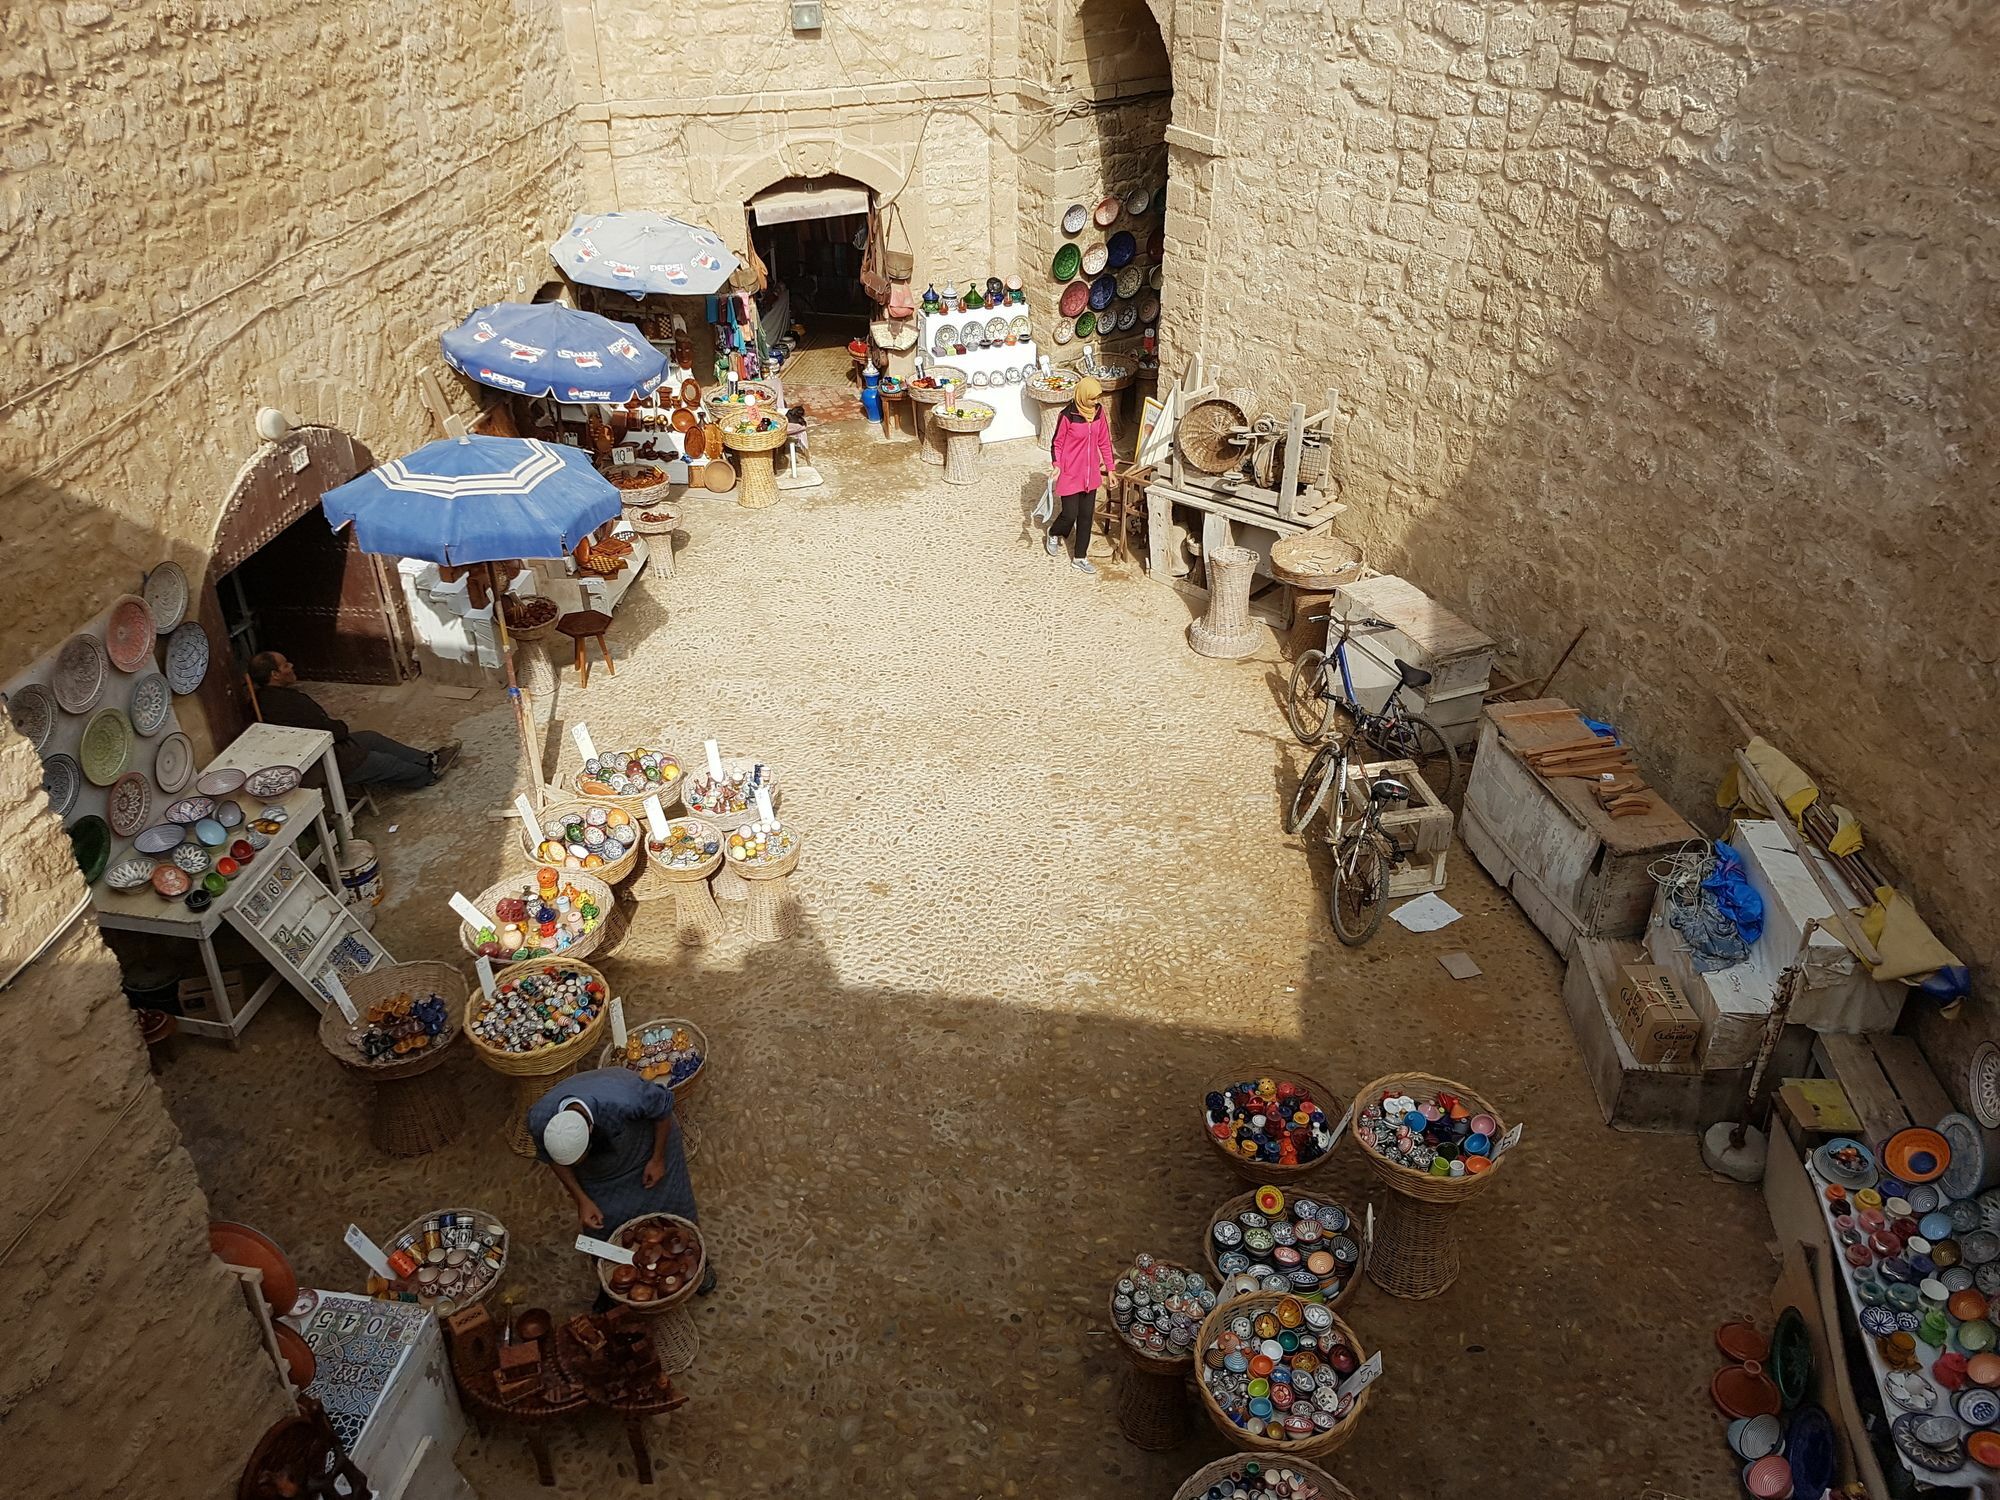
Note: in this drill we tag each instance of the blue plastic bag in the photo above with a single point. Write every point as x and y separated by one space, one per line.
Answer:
1734 896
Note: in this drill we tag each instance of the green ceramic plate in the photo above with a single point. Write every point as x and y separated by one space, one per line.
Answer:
106 746
1086 325
90 841
1067 260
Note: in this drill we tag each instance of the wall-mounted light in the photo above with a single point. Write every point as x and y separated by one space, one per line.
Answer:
272 424
806 15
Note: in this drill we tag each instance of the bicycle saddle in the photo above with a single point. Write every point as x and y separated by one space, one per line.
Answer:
1413 677
1388 789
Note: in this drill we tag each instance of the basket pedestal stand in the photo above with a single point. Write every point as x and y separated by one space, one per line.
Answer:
1048 406
676 1339
528 1087
1154 1411
756 477
1415 1254
696 916
930 447
1225 631
961 454
729 886
537 676
416 1108
768 912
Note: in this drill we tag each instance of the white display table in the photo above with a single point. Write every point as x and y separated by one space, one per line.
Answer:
1013 412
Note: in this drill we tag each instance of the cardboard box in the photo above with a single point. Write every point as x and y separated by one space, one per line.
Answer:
1655 1019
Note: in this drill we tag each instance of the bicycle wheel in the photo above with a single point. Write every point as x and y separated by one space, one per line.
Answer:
1360 887
1310 795
1413 737
1306 698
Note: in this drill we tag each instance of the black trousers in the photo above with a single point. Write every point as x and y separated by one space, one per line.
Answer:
1076 520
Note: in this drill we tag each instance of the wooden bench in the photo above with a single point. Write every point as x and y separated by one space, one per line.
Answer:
1886 1080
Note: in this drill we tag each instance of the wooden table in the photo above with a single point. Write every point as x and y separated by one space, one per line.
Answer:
532 1414
264 745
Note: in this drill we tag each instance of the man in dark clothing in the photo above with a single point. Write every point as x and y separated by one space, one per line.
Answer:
365 758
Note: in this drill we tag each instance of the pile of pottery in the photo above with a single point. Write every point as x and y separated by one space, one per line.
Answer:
1270 1121
207 844
1443 1136
1158 1307
402 1026
544 1007
445 1260
1267 1242
733 796
629 773
668 1053
687 846
1246 1477
586 838
1271 1368
666 1261
539 920
760 846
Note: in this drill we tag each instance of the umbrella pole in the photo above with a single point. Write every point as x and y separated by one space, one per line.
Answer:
523 721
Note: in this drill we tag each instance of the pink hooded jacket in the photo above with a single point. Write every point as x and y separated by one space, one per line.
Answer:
1081 450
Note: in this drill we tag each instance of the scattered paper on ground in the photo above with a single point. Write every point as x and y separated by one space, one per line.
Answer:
1460 965
1427 913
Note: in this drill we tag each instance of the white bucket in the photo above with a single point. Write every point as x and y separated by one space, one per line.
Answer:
360 874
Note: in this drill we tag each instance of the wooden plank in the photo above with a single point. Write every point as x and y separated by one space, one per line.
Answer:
1288 480
1429 624
1850 1061
1922 1095
1196 500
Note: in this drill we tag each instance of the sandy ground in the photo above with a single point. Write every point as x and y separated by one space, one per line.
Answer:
1045 898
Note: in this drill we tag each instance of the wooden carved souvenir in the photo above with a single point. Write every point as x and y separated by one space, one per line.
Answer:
300 1458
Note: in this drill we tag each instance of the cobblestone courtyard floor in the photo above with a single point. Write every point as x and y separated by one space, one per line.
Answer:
1046 897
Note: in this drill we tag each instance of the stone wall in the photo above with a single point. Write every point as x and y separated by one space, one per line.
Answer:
1658 317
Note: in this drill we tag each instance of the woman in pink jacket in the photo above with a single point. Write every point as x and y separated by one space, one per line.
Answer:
1080 459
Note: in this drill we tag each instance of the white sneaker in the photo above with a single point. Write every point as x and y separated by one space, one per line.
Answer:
1082 565
1052 544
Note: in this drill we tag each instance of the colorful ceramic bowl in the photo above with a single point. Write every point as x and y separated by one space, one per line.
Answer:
1073 219
1917 1154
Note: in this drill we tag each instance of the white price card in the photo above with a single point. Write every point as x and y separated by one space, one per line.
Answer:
1509 1141
369 1251
766 818
656 816
586 746
1364 1377
618 1023
714 760
340 997
1369 1242
623 454
528 819
468 912
604 1250
485 967
1341 1128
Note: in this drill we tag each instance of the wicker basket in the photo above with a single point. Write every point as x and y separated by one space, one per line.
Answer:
688 1087
955 380
636 496
981 416
769 869
612 870
747 441
659 1304
1197 1484
583 947
1145 1359
726 821
377 985
1051 395
530 633
669 792
544 1062
480 1218
666 527
722 398
1320 1442
1203 435
1408 1181
1232 1207
1270 1171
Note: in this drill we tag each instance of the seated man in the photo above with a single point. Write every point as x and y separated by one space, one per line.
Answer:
365 758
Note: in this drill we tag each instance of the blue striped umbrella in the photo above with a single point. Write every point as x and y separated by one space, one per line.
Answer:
546 349
639 253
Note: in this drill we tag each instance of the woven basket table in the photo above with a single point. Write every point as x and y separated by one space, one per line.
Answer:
923 398
961 424
1225 631
1154 1410
669 792
1050 395
756 476
416 1108
1241 1437
535 1073
1261 1172
586 882
769 911
1415 1254
1199 1482
610 872
1232 1207
696 916
674 1334
529 634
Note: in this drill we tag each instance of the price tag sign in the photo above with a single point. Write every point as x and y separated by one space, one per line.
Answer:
584 743
1370 1240
369 1251
340 997
1364 1377
605 1250
621 454
1508 1141
656 817
529 820
714 760
618 1023
485 967
766 818
467 911
1341 1128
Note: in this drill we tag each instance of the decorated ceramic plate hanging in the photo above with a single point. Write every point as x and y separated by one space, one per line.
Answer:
90 841
1139 202
1120 249
1020 327
128 802
173 763
32 707
80 673
1128 317
1065 331
1108 209
151 698
129 635
166 594
62 779
187 657
1063 268
1074 218
1102 291
1157 277
1075 298
1149 307
1086 325
106 746
1095 259
1130 280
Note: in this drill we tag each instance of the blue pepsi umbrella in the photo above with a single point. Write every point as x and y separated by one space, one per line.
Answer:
475 499
546 349
639 253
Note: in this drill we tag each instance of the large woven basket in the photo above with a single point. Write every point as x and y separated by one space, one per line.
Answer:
530 633
692 872
1408 1180
668 792
612 870
727 821
583 880
661 1304
1269 1171
688 1087
955 380
1230 1208
544 1061
379 984
479 1217
1197 1484
1202 435
744 441
637 496
981 418
1145 1359
666 526
771 869
1320 1442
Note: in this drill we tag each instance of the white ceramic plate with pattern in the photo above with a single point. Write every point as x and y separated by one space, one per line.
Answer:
187 657
173 763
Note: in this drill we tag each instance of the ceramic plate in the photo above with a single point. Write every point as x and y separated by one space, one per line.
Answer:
229 814
1149 307
150 702
209 831
1968 1156
1075 298
190 809
1020 327
1846 1162
1128 317
187 657
1108 209
1139 202
1937 1458
80 673
272 781
62 779
1980 1247
1983 1084
166 594
1065 331
1086 325
32 707
126 806
173 763
1129 281
1157 278
129 635
159 838
192 858
171 881
1120 249
90 842
129 874
1102 290
1095 259
106 746
220 782
1064 266
1074 218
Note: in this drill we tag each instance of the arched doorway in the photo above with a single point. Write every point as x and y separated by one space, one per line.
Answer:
807 237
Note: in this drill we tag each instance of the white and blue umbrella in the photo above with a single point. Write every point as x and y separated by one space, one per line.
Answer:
546 349
643 252
475 499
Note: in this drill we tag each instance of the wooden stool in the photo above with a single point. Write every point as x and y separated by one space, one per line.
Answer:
1153 1410
897 409
1124 503
583 626
416 1108
769 909
1225 631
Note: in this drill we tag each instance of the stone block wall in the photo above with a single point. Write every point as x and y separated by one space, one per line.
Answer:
1659 316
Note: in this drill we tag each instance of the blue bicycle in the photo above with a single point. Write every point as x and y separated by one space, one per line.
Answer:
1322 685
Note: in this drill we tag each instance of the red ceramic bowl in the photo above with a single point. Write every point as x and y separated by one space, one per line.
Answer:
240 851
226 867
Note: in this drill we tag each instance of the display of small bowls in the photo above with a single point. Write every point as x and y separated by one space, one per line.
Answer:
106 746
1074 218
32 707
1095 259
1107 211
191 857
81 671
173 763
129 633
1064 266
166 594
127 803
187 657
219 782
62 779
1916 1154
209 831
129 874
171 881
90 842
272 781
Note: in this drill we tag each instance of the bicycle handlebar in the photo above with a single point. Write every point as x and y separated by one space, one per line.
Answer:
1364 622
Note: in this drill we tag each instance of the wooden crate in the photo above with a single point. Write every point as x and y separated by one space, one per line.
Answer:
197 995
1886 1080
1418 874
1420 830
1459 656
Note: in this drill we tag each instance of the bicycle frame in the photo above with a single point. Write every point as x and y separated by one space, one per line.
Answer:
1337 649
